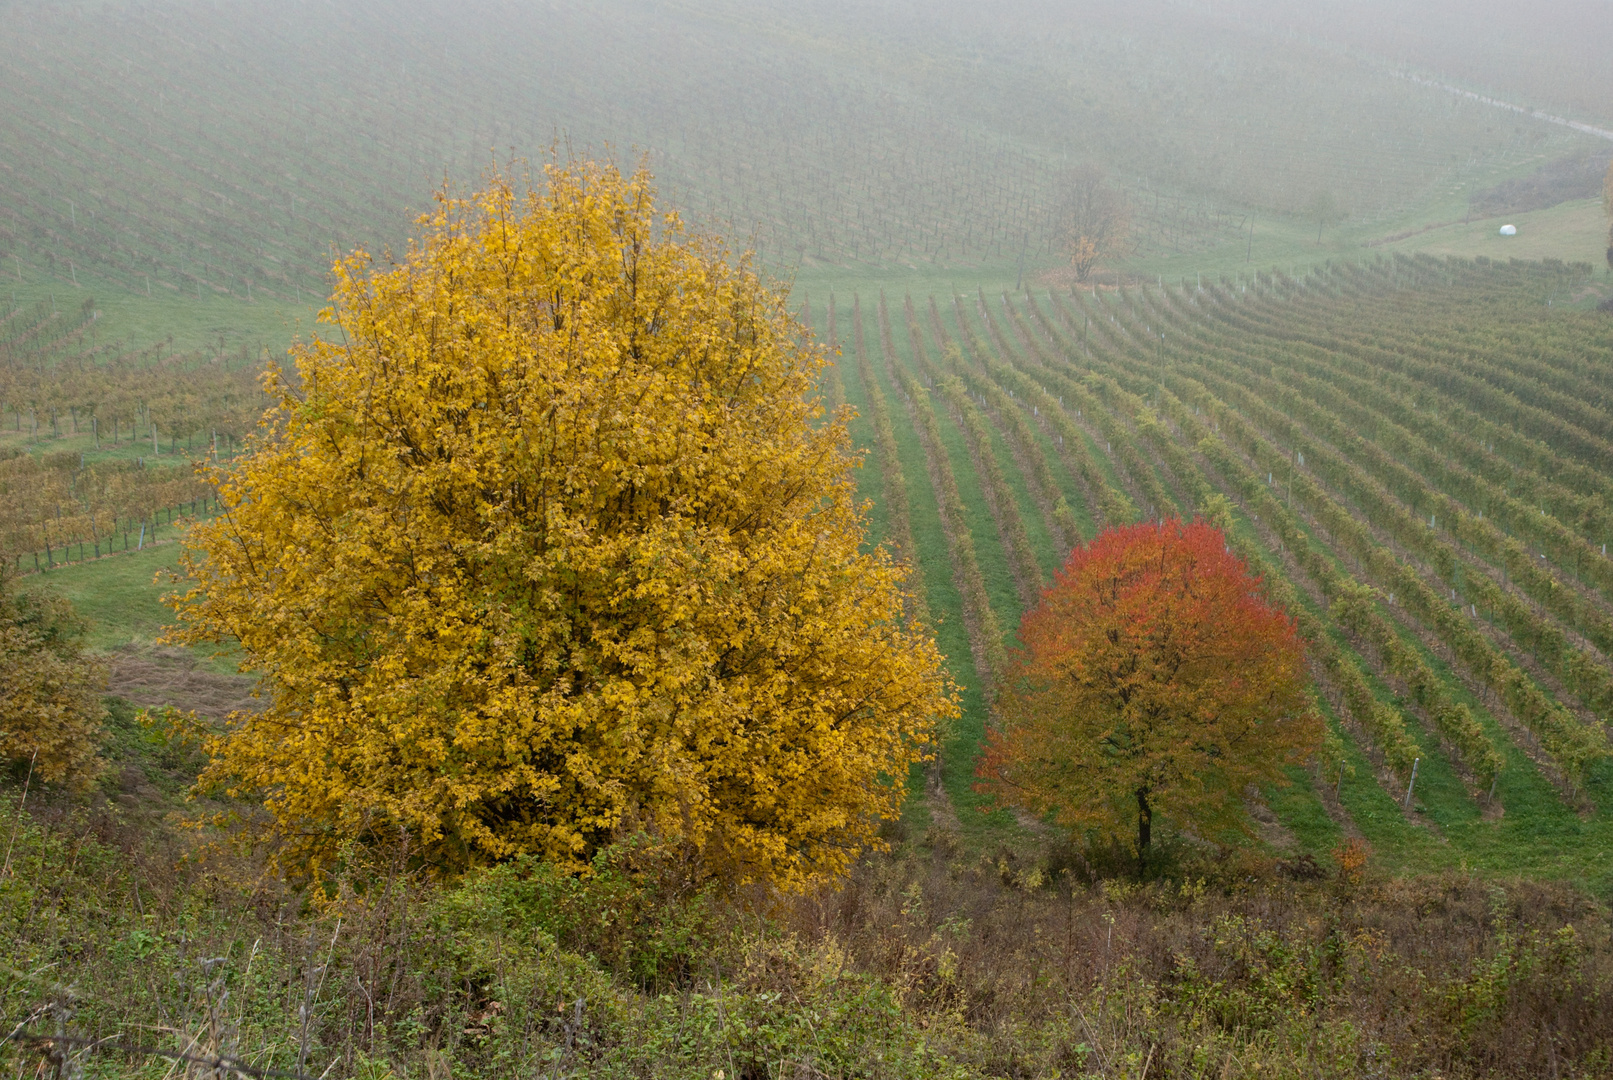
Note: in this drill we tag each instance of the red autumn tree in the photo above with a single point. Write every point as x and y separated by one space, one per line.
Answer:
1154 681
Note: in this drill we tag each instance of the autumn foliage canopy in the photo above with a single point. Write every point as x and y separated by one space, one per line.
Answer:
551 545
1155 681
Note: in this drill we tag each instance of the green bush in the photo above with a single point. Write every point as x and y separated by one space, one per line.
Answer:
50 706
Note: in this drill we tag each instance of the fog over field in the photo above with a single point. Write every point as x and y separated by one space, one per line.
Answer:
206 146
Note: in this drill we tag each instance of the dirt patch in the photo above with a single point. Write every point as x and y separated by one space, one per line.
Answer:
1064 278
1393 237
1277 835
154 677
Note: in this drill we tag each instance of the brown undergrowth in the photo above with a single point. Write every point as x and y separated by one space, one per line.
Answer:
124 934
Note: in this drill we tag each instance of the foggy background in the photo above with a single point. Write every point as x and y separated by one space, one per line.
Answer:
231 146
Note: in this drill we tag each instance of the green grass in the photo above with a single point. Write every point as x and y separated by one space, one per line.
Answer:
869 478
221 323
992 559
1571 231
990 553
1069 488
119 594
920 281
1377 816
1536 835
945 602
16 433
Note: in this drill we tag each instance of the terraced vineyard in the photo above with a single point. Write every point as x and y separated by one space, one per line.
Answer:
1418 456
97 441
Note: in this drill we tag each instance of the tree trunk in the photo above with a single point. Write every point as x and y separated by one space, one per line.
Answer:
1145 831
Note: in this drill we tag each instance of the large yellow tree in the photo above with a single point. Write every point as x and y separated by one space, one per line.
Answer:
552 542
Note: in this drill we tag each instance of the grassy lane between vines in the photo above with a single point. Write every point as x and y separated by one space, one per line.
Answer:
985 462
1534 604
955 591
1094 480
1356 613
1371 551
1532 799
1369 694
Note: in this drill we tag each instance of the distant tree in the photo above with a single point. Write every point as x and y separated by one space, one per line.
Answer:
1094 220
1607 205
50 691
1154 681
1322 209
553 543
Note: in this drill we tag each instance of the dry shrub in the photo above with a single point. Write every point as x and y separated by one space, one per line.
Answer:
1454 975
928 962
1351 857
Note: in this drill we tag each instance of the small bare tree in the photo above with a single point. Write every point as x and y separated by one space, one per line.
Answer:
1322 209
1607 205
1094 220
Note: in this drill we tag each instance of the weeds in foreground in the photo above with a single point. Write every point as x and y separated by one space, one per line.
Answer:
925 963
